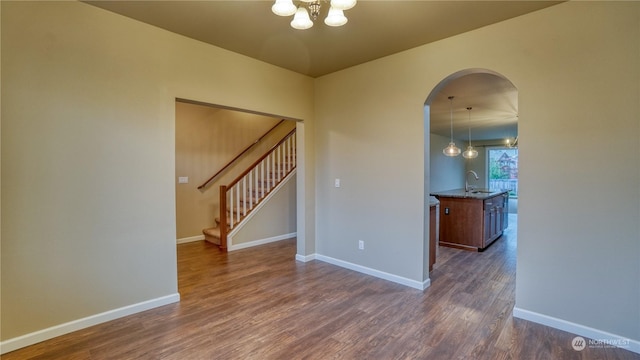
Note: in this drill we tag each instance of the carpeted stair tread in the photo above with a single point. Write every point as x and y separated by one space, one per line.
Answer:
212 235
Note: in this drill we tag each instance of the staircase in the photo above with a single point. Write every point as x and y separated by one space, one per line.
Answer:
253 186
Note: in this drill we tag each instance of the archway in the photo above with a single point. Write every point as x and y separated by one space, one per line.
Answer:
491 122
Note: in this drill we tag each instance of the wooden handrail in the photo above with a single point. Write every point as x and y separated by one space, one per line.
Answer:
239 155
250 167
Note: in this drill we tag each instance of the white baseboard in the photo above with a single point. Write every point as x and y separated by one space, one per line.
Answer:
190 239
373 272
305 258
54 331
248 244
598 335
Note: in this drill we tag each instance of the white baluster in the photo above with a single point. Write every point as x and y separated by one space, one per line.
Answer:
250 175
278 162
238 202
230 202
262 179
244 192
268 172
289 152
273 171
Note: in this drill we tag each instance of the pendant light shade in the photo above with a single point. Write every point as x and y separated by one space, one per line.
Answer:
301 20
343 4
452 149
470 153
284 8
335 17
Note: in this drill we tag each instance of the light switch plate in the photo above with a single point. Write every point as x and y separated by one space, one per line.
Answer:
183 180
337 183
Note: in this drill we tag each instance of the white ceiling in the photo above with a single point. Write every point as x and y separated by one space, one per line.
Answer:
375 29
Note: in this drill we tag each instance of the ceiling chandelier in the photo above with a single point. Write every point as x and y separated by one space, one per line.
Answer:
302 20
470 153
452 149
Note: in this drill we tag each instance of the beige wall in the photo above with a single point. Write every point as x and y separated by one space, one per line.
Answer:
88 154
207 138
576 67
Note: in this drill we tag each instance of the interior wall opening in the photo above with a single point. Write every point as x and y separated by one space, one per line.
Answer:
478 108
215 144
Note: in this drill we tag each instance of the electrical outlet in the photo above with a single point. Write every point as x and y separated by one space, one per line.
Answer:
360 244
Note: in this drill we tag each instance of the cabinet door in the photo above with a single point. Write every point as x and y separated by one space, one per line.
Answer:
505 212
489 221
499 218
487 227
432 236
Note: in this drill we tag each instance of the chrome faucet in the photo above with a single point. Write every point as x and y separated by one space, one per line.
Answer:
466 180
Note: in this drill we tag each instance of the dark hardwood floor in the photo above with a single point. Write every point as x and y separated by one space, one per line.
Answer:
259 303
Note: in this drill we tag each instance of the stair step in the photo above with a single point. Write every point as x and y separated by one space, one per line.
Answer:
212 235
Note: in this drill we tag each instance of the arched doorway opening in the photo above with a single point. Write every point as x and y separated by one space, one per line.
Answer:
490 125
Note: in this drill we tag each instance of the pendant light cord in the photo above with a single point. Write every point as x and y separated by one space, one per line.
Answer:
451 113
469 108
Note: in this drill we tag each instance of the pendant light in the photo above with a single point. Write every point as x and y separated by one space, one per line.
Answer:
470 153
451 150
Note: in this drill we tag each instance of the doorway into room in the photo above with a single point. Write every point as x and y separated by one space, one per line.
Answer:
216 145
477 107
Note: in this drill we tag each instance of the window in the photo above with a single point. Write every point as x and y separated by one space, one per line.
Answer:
503 170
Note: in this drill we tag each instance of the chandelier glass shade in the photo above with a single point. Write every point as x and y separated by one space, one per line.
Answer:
452 149
301 19
284 8
470 153
309 11
335 17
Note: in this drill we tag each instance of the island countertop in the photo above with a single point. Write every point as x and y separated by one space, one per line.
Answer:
480 194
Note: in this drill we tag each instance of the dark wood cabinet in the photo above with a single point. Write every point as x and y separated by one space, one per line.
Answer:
472 223
496 210
432 235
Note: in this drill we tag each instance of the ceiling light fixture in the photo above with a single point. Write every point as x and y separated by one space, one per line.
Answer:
310 9
451 150
470 153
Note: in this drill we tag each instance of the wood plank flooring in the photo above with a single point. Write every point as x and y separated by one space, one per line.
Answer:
260 303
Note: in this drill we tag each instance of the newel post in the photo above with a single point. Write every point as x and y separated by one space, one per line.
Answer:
223 217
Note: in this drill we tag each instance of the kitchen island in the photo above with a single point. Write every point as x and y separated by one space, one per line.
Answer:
472 220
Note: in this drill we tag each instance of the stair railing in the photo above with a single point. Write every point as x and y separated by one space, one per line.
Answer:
238 156
245 192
